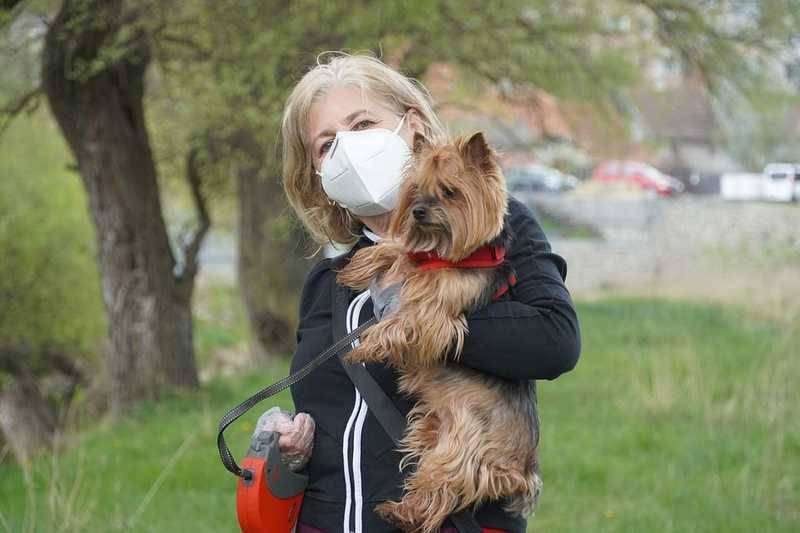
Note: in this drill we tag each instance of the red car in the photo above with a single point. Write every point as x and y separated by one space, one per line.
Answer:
637 173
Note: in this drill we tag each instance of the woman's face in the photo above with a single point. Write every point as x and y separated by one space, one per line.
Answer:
346 108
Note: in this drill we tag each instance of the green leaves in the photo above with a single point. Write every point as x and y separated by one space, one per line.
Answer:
49 285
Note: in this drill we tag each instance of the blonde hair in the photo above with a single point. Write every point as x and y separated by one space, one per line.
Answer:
328 222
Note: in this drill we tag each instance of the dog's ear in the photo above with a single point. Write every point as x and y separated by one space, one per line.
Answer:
477 151
420 143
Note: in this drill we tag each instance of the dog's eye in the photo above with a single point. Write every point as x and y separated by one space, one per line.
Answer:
448 192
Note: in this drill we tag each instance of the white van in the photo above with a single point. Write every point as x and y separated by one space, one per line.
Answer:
781 182
739 186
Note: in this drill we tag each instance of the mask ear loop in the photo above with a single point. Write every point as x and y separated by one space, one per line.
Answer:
328 155
400 125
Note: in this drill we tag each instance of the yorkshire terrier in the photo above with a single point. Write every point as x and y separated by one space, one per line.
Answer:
472 437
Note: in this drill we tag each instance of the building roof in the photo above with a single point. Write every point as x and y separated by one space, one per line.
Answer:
678 113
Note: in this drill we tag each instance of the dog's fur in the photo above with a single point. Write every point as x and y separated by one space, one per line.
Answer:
472 437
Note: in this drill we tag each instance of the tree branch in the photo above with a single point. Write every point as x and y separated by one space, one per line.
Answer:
200 52
27 102
192 248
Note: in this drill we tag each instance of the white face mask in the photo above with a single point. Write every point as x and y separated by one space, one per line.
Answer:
363 169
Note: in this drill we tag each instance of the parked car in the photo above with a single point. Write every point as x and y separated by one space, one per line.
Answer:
641 174
782 182
779 182
531 178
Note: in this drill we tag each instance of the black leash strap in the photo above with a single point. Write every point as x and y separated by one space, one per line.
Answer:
341 346
385 411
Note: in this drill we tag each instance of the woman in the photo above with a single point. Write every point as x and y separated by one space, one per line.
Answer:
533 335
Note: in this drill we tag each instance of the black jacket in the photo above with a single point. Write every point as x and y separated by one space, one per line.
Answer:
534 334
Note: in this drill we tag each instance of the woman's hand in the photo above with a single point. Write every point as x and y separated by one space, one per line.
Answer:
296 439
385 298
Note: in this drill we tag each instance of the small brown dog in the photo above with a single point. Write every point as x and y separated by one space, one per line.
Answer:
471 436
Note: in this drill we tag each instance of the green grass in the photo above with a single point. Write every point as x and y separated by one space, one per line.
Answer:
679 417
220 323
555 228
169 448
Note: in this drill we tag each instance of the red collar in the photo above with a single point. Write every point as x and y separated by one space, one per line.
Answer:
484 257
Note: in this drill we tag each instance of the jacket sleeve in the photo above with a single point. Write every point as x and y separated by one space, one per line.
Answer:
315 299
535 334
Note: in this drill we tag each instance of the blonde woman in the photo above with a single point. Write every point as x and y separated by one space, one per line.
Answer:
365 114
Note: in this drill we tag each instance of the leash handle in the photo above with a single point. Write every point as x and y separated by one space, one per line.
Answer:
341 346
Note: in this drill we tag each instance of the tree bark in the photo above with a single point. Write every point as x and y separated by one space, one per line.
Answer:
271 265
100 112
26 419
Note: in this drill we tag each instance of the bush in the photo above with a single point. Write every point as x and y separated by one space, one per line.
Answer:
49 284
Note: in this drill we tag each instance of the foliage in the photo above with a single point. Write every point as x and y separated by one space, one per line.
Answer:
760 126
49 283
678 417
225 68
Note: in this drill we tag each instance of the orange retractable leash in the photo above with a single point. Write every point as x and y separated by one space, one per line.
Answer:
268 494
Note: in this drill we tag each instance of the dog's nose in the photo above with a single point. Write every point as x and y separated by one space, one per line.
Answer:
419 213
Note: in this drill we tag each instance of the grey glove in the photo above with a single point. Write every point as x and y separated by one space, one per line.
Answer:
296 439
385 300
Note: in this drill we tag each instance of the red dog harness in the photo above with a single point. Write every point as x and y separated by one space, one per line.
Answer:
484 257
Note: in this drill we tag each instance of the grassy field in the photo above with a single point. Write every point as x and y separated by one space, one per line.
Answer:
679 417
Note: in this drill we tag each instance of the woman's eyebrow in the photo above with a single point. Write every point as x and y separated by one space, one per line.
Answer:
348 118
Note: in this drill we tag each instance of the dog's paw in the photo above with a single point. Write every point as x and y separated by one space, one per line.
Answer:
352 359
363 353
426 504
397 514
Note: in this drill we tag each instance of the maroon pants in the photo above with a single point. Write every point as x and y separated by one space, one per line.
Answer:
302 528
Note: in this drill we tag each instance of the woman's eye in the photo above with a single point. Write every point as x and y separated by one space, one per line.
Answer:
448 192
363 124
325 147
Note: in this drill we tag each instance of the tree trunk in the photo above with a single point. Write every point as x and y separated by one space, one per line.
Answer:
26 419
271 263
100 111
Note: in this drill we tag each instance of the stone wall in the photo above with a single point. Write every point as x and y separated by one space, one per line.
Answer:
654 240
